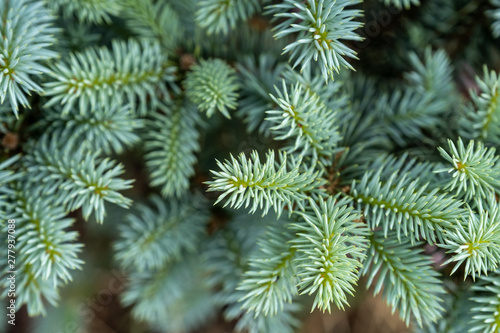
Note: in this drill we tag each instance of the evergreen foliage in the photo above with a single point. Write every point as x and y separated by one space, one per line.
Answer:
230 258
173 290
93 11
110 128
331 245
408 113
402 3
405 206
76 174
212 86
321 25
410 284
47 265
263 185
158 236
264 180
171 141
260 76
475 169
222 15
95 76
457 318
155 20
483 111
306 121
495 16
271 280
485 312
27 34
475 241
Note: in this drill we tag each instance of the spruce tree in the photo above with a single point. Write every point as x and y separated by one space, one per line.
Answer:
251 160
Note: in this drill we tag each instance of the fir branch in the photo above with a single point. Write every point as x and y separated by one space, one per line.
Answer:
476 170
227 259
25 27
258 77
90 11
76 37
481 117
75 176
227 253
285 321
7 176
321 25
405 206
433 74
411 168
44 242
409 283
419 108
331 245
212 85
485 313
34 291
153 19
100 76
476 240
186 11
157 235
176 298
220 16
270 280
46 250
457 316
494 14
405 114
263 185
170 143
331 94
304 119
400 4
362 91
361 139
106 128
